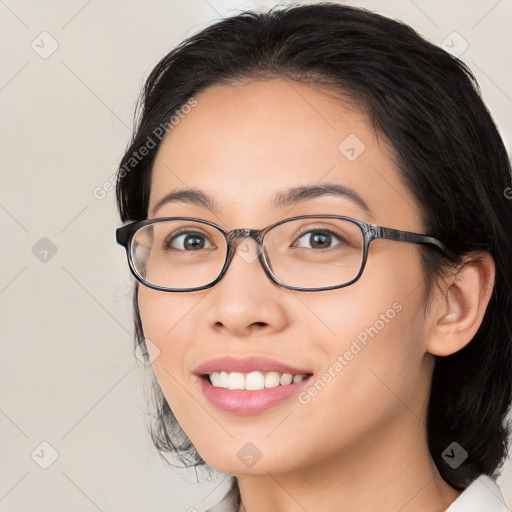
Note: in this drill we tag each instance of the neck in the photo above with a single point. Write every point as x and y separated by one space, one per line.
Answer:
389 474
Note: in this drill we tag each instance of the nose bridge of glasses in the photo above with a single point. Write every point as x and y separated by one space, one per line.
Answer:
249 252
235 234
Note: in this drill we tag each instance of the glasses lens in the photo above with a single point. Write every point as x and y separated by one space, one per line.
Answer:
315 252
178 253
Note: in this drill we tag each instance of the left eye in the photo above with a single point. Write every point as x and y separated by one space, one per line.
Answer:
317 239
188 241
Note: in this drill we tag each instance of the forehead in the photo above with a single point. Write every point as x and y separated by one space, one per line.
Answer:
242 142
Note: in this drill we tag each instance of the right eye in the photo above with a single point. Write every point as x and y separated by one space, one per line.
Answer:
188 241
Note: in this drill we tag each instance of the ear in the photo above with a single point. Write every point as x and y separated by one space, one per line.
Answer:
457 310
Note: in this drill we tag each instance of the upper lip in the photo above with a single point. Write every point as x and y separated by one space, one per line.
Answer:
246 365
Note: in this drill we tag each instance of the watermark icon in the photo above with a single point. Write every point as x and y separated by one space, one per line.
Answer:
44 45
454 455
44 455
150 143
44 250
455 44
147 357
249 454
356 346
351 147
248 251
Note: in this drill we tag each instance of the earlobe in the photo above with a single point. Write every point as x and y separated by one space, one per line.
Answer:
459 310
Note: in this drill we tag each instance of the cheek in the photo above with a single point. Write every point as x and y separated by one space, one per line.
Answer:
169 323
373 373
387 301
166 324
165 316
374 328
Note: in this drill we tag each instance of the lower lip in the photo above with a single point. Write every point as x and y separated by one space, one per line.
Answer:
249 402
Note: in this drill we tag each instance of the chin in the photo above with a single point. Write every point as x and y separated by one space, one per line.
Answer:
248 458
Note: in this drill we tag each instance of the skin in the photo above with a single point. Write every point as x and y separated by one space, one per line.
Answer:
360 444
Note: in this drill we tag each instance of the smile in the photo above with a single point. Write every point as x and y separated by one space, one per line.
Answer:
249 385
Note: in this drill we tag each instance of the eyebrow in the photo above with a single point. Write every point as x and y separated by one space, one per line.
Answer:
303 193
281 199
187 195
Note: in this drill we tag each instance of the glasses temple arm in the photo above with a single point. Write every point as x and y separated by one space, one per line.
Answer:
411 238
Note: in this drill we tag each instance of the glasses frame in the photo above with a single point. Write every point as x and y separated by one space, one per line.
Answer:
370 232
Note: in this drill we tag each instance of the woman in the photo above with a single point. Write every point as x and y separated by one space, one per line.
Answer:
320 230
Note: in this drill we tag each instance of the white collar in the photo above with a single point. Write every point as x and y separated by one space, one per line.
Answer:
483 495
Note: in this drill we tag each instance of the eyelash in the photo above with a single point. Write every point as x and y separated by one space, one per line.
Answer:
183 231
309 229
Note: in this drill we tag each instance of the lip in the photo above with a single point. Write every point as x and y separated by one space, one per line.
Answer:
244 402
246 365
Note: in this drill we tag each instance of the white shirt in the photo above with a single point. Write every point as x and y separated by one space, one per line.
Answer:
483 495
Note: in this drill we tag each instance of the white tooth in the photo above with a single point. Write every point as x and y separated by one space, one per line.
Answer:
297 378
223 380
271 379
286 379
236 380
215 379
254 381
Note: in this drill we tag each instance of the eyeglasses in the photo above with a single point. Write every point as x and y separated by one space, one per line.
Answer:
305 253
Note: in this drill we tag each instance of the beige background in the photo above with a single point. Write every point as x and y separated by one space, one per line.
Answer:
67 374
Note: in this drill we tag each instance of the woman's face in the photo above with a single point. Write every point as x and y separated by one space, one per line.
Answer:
362 347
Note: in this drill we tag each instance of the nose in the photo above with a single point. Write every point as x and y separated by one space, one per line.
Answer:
246 300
